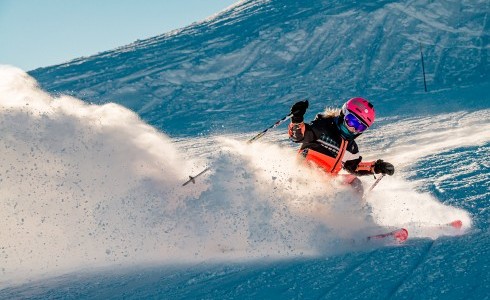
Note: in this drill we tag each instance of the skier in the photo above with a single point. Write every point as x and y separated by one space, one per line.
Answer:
328 141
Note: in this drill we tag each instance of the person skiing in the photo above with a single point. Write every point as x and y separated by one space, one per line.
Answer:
330 136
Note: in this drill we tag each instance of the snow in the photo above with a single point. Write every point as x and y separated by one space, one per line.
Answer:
328 52
91 202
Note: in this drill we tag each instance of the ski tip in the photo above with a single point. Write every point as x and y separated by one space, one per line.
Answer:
456 224
401 235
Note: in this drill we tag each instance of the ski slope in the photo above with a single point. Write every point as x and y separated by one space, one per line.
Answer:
261 55
95 151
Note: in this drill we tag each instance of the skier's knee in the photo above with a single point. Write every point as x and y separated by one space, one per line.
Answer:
356 184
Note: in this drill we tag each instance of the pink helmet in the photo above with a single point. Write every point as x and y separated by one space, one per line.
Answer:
361 108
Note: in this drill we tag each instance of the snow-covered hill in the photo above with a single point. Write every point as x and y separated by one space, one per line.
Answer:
94 190
261 55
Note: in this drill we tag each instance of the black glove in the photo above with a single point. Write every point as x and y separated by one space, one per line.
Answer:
351 165
298 110
383 167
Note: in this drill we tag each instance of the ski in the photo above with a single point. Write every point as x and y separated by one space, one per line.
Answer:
399 235
455 224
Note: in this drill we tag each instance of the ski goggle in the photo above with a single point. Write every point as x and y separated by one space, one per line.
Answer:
352 121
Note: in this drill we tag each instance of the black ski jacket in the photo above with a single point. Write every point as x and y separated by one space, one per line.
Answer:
323 135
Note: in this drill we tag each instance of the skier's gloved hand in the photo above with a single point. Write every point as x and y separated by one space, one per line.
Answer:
351 165
298 111
383 167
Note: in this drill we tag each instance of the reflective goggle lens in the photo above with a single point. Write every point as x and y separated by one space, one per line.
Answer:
354 122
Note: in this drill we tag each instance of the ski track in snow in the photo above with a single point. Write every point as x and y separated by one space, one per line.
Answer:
423 255
342 277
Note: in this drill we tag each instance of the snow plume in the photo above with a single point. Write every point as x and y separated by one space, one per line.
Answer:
79 184
396 202
89 185
327 215
85 185
276 205
296 207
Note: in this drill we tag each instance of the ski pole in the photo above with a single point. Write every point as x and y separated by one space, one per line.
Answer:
373 186
258 136
261 134
423 66
193 178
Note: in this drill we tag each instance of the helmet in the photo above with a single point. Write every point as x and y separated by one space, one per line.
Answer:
361 108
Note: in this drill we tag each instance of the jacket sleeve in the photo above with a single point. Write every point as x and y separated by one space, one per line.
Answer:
358 167
297 131
301 132
365 168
